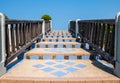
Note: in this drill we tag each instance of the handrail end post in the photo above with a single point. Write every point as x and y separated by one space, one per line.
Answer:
2 45
76 32
117 45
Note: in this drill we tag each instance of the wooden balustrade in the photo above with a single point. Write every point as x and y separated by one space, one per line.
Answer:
21 34
99 34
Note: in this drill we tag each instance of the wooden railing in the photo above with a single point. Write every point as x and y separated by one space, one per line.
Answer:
99 34
21 34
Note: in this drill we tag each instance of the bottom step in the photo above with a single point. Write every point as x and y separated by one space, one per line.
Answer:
58 71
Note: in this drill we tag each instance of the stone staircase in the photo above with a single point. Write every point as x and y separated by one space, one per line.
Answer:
57 43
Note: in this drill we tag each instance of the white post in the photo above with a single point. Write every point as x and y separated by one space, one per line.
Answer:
76 32
2 45
117 45
43 28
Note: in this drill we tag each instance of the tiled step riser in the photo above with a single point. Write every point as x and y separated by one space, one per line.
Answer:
54 36
58 40
58 46
54 57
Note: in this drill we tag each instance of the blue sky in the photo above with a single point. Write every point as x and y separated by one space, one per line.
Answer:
61 10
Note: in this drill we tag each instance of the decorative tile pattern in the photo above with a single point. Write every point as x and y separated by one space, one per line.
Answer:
60 66
70 69
69 63
48 69
38 66
81 65
49 63
59 73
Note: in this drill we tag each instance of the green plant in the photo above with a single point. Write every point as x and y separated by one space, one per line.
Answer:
46 17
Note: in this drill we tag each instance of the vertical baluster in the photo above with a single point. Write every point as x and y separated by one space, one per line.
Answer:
45 26
86 29
102 36
17 36
40 28
13 38
106 37
30 31
40 24
94 29
7 40
99 33
112 41
109 39
27 33
23 28
91 32
79 27
21 34
37 28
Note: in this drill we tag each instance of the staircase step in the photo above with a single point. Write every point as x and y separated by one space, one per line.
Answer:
65 44
57 39
57 51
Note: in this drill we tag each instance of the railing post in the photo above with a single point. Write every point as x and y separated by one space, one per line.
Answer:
50 25
117 45
2 44
76 32
69 25
43 28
